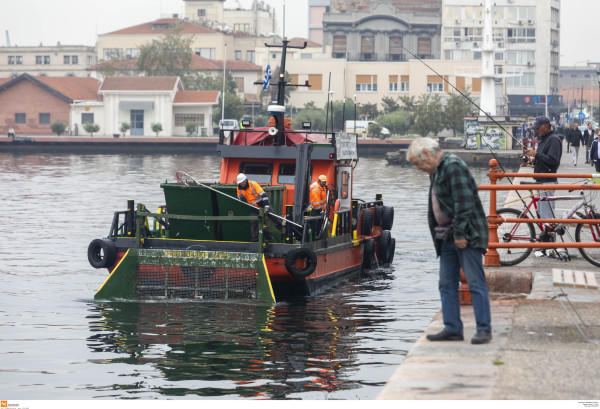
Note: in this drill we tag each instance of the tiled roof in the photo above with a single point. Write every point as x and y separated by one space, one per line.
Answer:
165 26
68 88
188 97
140 84
299 42
204 64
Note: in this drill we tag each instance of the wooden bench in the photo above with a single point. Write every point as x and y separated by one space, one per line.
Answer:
574 279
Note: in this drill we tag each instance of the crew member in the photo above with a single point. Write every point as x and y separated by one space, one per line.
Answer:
318 201
251 192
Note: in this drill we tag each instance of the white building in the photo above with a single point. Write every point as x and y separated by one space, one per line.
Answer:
52 61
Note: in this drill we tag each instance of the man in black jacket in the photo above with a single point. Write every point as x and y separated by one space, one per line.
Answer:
547 160
594 154
586 140
575 143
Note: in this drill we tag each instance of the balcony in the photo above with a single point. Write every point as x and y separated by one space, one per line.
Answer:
368 56
339 55
425 56
395 57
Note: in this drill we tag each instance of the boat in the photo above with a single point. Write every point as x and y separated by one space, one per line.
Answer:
199 243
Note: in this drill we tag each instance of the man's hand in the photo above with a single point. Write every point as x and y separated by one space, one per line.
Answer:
530 152
461 243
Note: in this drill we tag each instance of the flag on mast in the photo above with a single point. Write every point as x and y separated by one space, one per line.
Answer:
267 77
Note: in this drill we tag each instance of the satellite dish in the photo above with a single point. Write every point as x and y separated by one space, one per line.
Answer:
272 131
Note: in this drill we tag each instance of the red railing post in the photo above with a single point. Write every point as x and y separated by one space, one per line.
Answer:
492 258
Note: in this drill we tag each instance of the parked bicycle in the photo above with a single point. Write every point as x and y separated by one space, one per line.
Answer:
509 232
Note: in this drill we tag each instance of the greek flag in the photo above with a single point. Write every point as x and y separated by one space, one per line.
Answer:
267 77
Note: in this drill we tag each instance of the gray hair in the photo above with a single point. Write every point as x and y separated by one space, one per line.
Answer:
419 145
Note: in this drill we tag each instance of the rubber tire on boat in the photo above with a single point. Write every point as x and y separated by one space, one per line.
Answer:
392 251
387 218
102 253
366 224
383 246
304 253
368 253
378 214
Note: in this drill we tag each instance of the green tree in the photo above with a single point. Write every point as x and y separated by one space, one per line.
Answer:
190 128
91 128
457 108
207 82
156 127
315 116
374 130
428 112
398 122
169 56
369 110
389 105
409 103
234 108
310 105
58 127
125 126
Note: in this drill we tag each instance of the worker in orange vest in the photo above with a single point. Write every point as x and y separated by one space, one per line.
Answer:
251 192
318 201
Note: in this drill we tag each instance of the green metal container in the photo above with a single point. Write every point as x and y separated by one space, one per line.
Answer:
200 201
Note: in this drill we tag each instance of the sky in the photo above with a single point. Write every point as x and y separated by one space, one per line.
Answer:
78 22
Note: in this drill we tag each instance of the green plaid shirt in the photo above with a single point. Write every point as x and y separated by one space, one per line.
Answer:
456 192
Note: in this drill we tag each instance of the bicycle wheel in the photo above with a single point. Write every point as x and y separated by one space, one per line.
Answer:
589 233
514 233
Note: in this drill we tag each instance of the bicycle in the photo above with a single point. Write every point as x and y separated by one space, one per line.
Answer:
525 232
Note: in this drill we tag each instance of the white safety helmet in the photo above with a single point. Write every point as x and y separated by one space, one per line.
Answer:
240 178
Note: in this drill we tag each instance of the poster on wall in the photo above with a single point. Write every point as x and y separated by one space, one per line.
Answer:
493 138
472 132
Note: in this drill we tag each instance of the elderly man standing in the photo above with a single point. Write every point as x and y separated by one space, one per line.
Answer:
460 234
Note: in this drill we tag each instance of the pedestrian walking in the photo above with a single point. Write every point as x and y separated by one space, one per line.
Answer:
575 143
586 140
595 153
460 233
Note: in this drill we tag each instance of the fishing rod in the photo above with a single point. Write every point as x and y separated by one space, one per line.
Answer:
185 178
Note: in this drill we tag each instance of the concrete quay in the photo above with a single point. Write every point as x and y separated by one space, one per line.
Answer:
537 352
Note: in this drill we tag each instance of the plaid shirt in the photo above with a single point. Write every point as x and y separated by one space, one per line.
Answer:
457 195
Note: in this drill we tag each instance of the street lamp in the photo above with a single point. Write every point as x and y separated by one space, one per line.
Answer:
597 75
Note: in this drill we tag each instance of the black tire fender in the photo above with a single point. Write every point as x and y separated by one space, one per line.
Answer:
366 226
368 253
387 218
383 246
377 215
301 253
102 253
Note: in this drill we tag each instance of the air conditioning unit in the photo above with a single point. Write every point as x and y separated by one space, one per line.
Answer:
520 22
457 43
530 22
530 64
457 21
500 45
475 45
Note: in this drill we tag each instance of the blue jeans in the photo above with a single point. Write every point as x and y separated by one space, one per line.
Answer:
451 260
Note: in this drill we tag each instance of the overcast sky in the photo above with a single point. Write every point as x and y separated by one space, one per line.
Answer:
77 22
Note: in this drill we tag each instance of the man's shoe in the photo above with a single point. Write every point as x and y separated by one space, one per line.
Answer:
481 337
445 336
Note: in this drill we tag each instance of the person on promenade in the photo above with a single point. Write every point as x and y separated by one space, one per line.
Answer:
594 153
547 160
575 143
460 234
586 140
250 192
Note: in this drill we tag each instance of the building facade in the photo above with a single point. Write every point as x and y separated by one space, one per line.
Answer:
51 61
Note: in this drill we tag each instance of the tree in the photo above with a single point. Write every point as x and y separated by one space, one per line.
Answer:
156 127
457 108
428 112
398 122
316 117
369 110
408 103
58 127
207 82
169 56
125 126
389 105
190 128
91 127
374 130
234 108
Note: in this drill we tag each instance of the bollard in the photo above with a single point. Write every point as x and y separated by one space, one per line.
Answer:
492 258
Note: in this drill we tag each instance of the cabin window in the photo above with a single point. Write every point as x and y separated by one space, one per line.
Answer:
345 180
287 174
260 173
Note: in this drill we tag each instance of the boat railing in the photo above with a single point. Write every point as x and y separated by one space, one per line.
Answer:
226 137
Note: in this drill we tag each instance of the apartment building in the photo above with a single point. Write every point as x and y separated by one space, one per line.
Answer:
52 61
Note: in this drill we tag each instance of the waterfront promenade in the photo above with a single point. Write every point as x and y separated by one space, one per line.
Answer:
536 352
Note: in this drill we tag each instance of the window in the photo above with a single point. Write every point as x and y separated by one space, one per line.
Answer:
393 83
210 53
404 83
19 60
201 12
257 171
182 119
305 56
20 118
38 60
239 82
434 84
11 60
90 60
67 59
46 59
112 53
131 53
339 46
520 35
250 56
286 174
44 118
424 47
74 59
365 83
87 118
367 48
345 184
395 49
520 57
238 54
243 27
526 80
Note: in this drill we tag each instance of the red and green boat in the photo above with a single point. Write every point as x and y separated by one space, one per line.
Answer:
198 244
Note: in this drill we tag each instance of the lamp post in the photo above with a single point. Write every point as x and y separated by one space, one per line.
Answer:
597 75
